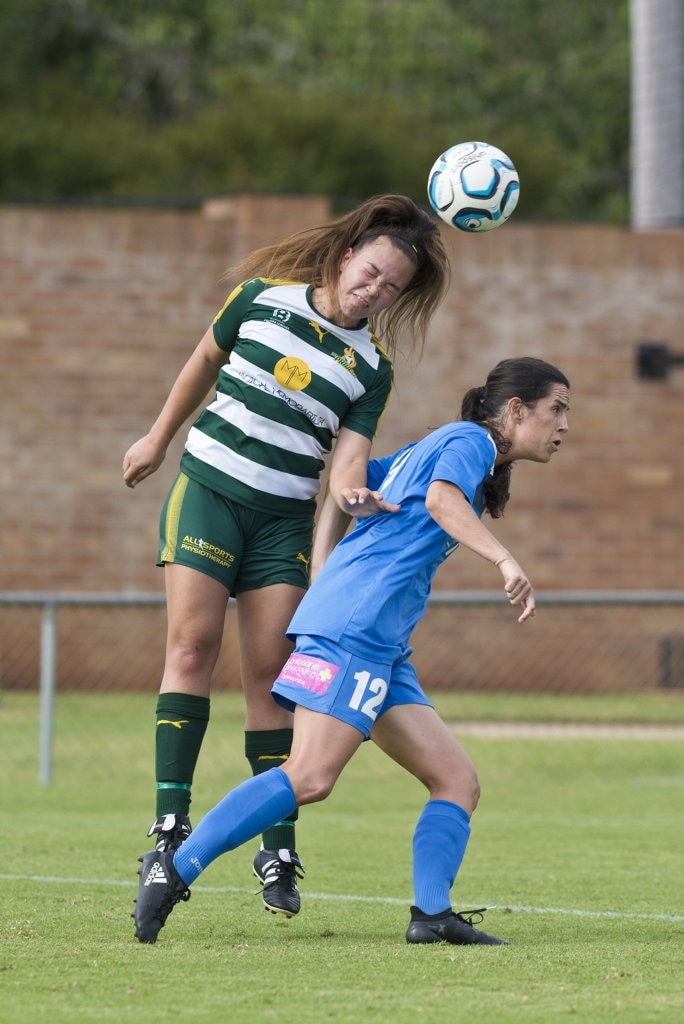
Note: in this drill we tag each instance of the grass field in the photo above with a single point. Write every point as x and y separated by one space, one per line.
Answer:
576 848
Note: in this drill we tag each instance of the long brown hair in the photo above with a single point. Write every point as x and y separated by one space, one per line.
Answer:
313 256
526 378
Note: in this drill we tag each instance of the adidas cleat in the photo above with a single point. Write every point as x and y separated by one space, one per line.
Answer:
172 829
159 889
278 871
449 927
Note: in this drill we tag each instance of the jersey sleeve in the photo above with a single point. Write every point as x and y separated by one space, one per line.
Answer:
377 471
465 461
365 414
228 320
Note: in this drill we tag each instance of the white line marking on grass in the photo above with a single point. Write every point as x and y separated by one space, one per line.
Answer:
568 730
343 898
589 913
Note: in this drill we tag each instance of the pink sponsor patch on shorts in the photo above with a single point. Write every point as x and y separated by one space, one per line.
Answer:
312 673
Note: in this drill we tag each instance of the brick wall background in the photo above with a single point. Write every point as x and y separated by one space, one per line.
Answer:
100 308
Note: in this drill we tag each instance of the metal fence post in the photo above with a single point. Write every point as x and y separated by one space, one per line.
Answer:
48 648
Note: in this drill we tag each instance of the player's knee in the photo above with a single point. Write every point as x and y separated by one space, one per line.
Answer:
474 784
190 655
318 789
459 784
310 787
469 785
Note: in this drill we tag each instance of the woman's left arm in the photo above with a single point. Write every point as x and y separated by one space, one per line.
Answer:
449 507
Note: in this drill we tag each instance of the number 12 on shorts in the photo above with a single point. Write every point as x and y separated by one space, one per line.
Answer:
364 684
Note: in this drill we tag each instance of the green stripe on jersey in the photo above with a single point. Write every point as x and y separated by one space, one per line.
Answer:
267 455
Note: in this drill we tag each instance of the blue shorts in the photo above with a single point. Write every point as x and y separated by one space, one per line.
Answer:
322 676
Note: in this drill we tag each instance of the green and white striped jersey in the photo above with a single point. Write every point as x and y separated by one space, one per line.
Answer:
291 380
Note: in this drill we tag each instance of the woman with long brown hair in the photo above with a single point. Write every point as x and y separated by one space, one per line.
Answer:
300 360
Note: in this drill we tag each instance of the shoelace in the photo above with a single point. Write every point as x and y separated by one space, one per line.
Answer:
283 869
182 897
170 838
169 902
472 917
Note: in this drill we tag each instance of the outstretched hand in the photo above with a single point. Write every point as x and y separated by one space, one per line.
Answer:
518 587
361 503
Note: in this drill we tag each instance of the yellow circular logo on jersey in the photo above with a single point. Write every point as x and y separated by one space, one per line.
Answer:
292 373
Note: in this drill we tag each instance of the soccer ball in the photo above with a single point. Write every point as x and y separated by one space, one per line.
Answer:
473 186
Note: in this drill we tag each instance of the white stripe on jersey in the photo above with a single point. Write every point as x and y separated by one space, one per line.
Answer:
318 360
293 298
318 413
261 478
263 429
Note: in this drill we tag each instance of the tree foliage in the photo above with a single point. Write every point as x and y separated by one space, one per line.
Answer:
114 100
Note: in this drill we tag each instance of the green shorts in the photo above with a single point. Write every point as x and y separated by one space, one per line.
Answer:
241 548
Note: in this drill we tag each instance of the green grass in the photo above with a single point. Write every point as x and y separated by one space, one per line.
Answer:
576 847
665 707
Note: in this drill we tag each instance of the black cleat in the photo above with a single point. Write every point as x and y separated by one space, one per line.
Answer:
449 927
172 829
278 871
159 889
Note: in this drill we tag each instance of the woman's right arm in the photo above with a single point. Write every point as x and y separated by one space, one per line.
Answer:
191 386
331 526
352 502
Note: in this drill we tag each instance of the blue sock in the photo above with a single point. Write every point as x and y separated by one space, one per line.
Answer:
439 843
243 813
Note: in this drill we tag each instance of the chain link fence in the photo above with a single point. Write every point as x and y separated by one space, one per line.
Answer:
579 643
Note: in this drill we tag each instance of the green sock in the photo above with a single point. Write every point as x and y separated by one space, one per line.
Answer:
181 724
266 749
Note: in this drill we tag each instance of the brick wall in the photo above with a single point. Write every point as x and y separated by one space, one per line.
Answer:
99 309
98 312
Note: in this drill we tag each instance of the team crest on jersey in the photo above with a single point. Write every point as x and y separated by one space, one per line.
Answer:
292 373
348 360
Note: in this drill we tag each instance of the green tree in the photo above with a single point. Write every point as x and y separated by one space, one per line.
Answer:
171 101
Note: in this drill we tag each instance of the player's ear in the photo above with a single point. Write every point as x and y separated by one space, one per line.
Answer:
515 408
346 256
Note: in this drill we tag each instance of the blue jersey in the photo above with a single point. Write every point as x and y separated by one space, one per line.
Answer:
375 585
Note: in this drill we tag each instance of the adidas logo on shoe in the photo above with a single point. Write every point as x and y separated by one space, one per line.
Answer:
156 874
159 889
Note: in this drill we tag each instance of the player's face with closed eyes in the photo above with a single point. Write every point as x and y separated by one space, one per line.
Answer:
371 279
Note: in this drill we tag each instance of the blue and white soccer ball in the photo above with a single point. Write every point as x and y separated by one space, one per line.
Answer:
473 186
